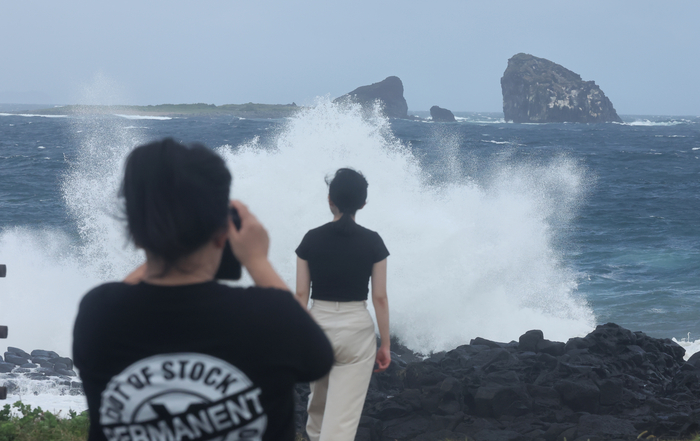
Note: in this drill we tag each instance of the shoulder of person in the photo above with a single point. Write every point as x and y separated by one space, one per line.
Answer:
368 232
104 291
320 229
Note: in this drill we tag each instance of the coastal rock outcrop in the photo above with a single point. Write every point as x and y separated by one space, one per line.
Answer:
441 115
536 90
45 369
389 92
613 384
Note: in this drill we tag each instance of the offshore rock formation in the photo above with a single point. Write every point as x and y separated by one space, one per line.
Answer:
536 90
613 384
389 92
441 115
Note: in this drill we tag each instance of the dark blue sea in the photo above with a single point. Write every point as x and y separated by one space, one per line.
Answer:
494 228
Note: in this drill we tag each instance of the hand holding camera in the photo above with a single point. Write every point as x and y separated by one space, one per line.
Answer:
250 244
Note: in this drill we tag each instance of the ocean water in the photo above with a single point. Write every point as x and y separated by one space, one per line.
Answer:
493 228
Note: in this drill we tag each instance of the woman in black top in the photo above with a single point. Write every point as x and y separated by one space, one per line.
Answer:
172 354
335 263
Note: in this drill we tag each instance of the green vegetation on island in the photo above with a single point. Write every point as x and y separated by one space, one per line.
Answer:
248 110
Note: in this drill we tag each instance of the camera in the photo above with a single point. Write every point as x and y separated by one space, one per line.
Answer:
230 267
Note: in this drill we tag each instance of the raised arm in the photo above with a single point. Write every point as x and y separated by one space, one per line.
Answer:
381 309
250 245
303 283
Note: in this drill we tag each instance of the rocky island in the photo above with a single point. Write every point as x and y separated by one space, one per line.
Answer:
389 92
248 110
441 115
536 90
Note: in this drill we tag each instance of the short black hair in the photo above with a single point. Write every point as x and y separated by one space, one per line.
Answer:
175 198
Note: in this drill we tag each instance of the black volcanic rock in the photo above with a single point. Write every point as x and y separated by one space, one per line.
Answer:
536 90
441 115
47 367
389 92
613 384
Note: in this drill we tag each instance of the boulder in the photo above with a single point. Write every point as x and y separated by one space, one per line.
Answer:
536 90
44 354
18 352
13 358
605 427
6 367
62 362
528 341
694 360
389 92
441 115
42 362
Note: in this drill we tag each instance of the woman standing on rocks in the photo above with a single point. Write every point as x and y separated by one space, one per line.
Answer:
170 353
335 263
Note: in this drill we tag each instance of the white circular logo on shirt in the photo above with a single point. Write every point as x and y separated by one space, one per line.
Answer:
178 397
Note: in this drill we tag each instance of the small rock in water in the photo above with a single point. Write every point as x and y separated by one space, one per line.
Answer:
441 115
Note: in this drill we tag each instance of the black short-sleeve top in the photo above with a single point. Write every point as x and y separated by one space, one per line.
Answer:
194 362
340 264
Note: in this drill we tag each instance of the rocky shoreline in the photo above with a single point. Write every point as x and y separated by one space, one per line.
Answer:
39 365
613 384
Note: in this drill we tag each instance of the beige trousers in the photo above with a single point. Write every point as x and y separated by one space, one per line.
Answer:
336 400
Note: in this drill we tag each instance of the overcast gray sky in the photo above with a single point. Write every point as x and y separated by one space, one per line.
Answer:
644 55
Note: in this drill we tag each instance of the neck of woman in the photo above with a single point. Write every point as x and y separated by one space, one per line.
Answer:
198 267
337 216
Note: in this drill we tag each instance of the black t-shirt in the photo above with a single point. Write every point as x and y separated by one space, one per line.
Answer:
194 362
341 264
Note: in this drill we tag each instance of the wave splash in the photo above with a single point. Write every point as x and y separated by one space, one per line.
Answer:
468 259
50 270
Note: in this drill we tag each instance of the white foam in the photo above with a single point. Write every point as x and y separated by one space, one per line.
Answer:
690 345
28 115
646 122
159 118
49 394
467 260
48 272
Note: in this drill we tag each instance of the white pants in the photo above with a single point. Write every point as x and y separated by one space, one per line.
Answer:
336 400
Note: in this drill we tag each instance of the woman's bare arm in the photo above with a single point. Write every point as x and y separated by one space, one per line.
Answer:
381 309
303 282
